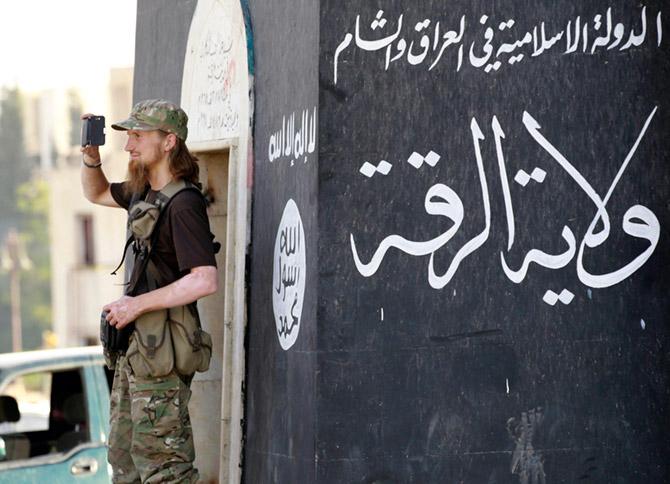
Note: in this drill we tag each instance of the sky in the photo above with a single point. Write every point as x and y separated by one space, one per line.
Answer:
47 44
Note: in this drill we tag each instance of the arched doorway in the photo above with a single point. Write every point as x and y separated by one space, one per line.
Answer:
216 92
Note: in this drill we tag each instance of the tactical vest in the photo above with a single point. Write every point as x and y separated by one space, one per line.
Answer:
166 339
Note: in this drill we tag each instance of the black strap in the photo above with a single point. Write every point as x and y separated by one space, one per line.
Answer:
145 255
123 256
133 200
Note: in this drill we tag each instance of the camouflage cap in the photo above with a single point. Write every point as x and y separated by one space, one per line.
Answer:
155 114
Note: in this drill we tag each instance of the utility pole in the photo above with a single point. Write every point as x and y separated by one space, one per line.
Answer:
13 260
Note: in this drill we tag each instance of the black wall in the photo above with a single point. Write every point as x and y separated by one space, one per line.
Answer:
478 379
280 398
160 45
473 379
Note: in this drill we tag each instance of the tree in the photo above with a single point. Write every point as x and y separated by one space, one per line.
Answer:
14 165
23 205
33 206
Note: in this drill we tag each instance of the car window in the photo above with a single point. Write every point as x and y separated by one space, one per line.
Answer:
32 393
43 413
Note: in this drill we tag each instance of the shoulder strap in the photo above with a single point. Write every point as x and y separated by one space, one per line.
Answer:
136 197
142 259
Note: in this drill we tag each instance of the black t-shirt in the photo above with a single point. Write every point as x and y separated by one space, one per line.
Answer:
184 240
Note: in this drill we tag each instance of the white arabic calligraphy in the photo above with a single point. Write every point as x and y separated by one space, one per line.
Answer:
600 34
441 200
289 274
287 141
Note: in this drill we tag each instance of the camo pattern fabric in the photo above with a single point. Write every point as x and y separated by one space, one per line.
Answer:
156 114
150 439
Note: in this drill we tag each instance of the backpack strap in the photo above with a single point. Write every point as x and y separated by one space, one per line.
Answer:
143 264
136 197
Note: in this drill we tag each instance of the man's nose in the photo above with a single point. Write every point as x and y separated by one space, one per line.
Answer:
128 145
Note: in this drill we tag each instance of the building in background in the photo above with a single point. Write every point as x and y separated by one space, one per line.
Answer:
86 239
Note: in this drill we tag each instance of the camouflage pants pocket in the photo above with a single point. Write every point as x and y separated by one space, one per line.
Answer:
162 439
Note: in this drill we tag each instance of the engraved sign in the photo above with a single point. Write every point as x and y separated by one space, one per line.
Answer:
211 72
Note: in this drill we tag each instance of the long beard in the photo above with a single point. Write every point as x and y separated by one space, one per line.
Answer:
137 176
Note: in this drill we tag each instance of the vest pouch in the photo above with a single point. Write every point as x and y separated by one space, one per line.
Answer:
150 352
192 345
142 219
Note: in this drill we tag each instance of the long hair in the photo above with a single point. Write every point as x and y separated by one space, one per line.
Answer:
181 162
183 165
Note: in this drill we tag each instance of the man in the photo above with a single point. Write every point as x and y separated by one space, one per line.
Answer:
150 438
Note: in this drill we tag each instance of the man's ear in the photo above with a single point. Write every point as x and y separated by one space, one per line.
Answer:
170 142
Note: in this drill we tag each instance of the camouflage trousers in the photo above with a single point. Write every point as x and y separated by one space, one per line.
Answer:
150 438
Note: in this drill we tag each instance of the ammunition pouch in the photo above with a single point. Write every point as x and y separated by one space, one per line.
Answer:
142 219
167 340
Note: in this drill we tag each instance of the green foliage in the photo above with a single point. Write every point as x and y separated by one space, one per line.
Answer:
14 165
5 314
33 205
13 169
23 205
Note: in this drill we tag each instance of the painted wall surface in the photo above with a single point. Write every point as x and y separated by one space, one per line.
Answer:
160 44
459 238
493 242
283 279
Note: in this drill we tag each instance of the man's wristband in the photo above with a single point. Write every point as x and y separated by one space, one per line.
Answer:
97 165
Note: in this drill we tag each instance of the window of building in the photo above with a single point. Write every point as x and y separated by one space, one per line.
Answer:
86 241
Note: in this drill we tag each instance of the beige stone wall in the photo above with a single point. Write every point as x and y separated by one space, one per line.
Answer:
207 387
